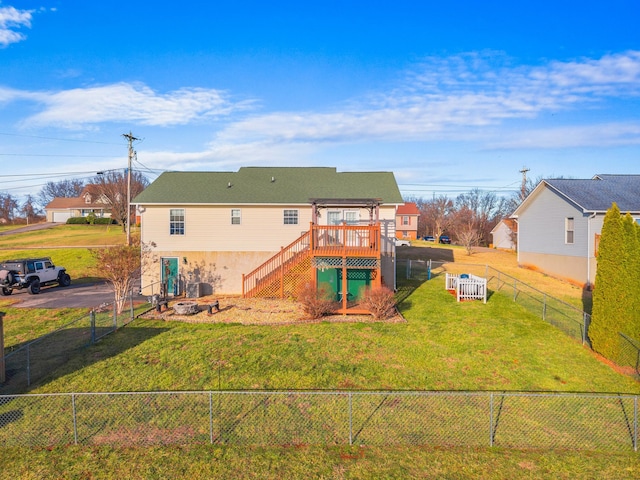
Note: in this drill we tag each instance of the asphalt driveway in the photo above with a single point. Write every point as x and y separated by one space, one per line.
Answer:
74 296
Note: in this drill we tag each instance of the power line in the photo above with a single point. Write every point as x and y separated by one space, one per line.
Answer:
53 155
75 140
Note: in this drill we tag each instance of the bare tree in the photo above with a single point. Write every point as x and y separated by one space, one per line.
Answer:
64 188
30 210
436 215
8 207
481 212
468 237
112 187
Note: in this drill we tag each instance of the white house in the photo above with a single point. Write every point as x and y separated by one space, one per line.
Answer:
559 223
504 234
261 231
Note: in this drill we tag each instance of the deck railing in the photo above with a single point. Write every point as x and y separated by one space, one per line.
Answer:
343 240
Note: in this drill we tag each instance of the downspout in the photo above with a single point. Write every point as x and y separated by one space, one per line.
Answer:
589 245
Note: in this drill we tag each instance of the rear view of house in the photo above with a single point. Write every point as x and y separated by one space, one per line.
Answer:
263 231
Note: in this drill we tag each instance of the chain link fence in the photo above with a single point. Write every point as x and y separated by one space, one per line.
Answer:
34 360
285 418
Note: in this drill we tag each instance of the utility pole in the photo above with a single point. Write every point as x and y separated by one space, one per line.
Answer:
130 138
523 189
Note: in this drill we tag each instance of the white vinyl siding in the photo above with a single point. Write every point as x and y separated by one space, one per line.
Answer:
542 227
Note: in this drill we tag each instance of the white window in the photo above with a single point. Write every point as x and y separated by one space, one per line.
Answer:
405 220
334 218
351 217
235 216
568 230
291 217
176 221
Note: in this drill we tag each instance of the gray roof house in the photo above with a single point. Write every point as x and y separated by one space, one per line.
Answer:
559 223
262 231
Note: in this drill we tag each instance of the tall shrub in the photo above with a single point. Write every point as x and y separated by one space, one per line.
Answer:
609 306
632 274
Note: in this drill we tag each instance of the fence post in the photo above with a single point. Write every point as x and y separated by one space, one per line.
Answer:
635 423
515 289
409 268
544 307
92 317
115 315
210 417
131 304
350 420
28 364
2 369
75 421
491 420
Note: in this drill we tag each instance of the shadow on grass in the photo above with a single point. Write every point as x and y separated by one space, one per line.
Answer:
65 351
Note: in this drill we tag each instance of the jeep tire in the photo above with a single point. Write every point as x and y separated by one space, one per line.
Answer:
64 280
34 287
6 291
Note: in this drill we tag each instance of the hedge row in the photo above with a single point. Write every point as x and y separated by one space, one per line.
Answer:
92 221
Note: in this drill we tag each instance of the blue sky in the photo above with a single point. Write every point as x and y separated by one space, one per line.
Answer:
449 95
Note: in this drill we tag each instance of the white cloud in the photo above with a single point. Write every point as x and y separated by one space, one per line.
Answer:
124 102
465 97
10 20
454 98
600 135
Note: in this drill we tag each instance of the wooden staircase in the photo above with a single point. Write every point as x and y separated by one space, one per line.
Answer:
280 276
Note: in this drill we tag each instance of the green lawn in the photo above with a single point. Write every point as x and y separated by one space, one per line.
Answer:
301 462
442 346
66 236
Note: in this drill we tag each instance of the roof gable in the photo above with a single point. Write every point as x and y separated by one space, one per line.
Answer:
269 185
408 208
595 194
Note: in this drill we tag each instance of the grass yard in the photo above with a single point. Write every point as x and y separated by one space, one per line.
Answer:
443 345
66 236
204 462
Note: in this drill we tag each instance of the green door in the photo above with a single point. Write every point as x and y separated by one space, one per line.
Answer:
169 273
357 281
328 278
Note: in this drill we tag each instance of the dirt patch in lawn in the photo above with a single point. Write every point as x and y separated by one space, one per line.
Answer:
254 311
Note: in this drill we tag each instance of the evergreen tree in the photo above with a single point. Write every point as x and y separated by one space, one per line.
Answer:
632 274
608 313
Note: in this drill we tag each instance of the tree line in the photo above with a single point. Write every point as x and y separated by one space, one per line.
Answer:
468 218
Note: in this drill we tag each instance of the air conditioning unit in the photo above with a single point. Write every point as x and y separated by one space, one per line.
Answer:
193 290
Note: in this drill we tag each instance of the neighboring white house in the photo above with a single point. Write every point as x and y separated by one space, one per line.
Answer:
559 223
244 232
60 209
504 234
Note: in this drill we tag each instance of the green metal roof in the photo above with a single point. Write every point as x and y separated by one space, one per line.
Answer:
269 185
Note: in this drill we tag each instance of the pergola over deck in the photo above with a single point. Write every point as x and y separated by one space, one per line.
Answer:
347 247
